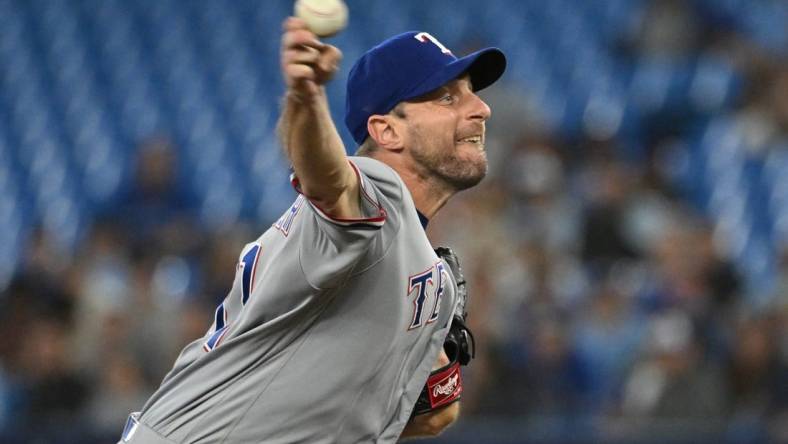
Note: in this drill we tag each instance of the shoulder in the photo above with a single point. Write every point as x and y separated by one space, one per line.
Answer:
374 167
381 175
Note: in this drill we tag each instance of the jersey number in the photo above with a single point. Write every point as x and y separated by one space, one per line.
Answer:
248 268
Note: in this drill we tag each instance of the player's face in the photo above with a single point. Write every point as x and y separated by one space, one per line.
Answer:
445 134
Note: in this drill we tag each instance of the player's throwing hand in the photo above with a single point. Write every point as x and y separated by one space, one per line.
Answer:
307 63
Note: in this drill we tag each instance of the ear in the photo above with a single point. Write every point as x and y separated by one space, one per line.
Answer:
385 131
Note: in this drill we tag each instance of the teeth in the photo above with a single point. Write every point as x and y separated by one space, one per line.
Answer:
474 139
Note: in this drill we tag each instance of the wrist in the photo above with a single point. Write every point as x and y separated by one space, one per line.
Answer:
301 97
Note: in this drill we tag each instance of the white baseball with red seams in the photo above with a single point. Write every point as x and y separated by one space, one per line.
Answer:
324 17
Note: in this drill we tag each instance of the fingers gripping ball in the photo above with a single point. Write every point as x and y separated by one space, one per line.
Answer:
324 17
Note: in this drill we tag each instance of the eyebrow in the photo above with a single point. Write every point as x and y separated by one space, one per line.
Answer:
443 88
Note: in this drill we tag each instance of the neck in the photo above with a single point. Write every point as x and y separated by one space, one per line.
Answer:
429 193
428 196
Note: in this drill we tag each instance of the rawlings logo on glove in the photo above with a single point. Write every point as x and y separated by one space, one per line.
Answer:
451 385
445 388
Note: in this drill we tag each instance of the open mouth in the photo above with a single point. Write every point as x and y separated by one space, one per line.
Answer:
477 140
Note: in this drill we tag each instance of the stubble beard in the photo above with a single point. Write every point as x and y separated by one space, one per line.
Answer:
452 167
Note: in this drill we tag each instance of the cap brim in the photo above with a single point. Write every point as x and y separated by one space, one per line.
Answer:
484 67
487 66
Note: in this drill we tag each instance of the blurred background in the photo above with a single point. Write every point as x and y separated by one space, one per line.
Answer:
628 253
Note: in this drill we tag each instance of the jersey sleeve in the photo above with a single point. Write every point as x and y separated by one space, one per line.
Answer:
331 248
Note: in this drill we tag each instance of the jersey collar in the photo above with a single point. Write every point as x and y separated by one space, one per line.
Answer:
423 219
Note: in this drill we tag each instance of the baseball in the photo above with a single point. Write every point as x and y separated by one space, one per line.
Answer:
324 17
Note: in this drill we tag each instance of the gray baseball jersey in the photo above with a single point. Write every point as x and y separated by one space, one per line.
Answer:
328 333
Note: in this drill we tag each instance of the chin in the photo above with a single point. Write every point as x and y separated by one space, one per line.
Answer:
460 169
467 174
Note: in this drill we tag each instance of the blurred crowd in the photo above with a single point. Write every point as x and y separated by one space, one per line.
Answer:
88 335
598 294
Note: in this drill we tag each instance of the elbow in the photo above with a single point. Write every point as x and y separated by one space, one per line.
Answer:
330 202
337 201
325 198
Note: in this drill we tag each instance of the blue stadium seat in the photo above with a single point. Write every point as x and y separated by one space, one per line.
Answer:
721 144
267 161
49 176
766 22
273 193
63 221
650 84
776 181
603 114
12 235
757 261
222 201
712 83
255 133
140 114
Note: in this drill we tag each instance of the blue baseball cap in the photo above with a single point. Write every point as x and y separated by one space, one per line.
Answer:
407 66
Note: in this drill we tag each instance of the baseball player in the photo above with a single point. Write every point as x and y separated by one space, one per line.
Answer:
343 324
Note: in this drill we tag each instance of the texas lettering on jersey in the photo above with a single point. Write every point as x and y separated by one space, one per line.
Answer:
429 284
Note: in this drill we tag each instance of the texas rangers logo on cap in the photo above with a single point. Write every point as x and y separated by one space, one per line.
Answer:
425 37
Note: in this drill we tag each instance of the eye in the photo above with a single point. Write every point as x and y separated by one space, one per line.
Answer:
447 99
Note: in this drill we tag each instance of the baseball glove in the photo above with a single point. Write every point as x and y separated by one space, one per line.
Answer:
444 385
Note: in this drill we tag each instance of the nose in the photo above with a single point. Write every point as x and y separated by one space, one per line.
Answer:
478 109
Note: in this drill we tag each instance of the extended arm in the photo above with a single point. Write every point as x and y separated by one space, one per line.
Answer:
306 129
